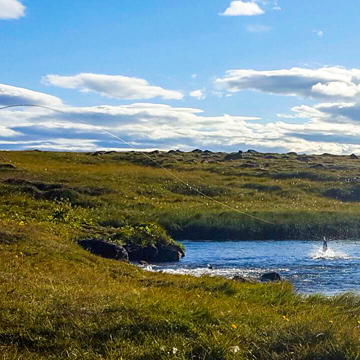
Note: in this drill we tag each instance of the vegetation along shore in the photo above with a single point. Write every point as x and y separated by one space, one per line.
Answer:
57 300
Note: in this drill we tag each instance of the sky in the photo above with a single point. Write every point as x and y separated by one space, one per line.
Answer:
221 75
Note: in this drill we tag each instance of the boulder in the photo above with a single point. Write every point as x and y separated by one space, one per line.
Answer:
138 253
272 276
354 157
104 249
169 254
98 153
234 156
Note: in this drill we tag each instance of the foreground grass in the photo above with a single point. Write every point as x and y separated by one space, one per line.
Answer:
58 301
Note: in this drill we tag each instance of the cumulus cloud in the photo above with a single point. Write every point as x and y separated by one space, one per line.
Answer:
198 94
150 126
240 8
11 9
112 86
326 82
10 95
326 127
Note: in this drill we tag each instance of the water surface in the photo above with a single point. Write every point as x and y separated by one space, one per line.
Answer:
303 263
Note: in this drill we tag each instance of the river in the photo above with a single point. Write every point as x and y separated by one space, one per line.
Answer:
303 263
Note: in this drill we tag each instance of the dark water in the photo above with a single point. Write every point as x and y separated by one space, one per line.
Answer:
303 263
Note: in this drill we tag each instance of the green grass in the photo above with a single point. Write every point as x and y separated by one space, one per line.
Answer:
127 188
59 301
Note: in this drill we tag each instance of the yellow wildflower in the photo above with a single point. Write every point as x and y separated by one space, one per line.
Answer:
330 321
285 318
21 223
234 326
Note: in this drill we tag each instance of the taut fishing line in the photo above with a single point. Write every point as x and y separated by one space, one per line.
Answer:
147 156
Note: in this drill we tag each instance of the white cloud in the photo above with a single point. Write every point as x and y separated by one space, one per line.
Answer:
198 94
337 89
326 127
112 86
324 83
319 33
240 8
11 9
10 95
194 76
257 28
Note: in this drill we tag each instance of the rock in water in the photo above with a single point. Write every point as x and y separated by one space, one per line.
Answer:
138 253
105 249
272 276
169 254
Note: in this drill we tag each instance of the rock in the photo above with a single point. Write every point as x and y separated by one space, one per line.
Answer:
138 253
234 156
270 157
169 254
197 151
354 157
155 152
97 153
292 153
272 276
252 151
104 249
144 263
7 167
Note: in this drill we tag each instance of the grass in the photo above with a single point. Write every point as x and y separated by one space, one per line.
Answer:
298 197
59 301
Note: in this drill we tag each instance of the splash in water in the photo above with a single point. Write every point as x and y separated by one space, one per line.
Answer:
328 253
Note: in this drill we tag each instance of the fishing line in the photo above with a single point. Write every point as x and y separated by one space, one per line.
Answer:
147 156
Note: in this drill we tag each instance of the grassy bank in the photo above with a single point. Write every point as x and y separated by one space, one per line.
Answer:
59 301
300 196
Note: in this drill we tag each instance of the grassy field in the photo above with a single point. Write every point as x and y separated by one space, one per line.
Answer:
301 196
59 301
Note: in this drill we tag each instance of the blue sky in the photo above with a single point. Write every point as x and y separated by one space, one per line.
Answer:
222 75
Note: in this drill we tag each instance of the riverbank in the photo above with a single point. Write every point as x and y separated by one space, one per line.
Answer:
57 300
294 196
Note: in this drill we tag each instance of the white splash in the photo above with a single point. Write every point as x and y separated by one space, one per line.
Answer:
228 273
328 254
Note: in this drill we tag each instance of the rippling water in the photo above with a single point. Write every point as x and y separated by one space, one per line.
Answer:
303 263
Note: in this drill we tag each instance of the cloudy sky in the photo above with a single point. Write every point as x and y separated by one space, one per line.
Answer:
275 76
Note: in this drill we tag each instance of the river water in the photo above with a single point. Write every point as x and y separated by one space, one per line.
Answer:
303 263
